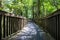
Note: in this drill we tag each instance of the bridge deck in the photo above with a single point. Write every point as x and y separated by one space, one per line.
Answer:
31 31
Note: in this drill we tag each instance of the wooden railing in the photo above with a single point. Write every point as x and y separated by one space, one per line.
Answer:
51 24
10 24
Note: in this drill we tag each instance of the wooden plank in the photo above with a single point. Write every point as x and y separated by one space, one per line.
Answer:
0 27
4 27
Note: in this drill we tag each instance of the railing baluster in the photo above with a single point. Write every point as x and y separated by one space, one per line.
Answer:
7 25
4 27
0 27
10 24
57 26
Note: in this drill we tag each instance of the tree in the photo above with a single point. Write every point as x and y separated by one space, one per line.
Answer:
38 3
1 7
40 8
33 10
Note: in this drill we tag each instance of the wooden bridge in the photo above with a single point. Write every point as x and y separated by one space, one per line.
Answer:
11 25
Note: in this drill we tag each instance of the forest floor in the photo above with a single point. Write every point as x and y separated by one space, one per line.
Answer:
31 31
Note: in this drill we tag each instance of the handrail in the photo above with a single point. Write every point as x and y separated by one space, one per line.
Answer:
51 24
10 24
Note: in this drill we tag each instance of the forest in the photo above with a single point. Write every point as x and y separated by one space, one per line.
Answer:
30 8
40 18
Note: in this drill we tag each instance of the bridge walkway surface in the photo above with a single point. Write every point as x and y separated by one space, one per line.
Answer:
31 31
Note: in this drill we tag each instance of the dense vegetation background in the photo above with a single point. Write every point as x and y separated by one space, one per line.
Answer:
30 8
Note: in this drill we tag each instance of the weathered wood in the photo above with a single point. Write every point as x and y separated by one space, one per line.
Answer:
0 27
4 27
10 24
51 24
7 26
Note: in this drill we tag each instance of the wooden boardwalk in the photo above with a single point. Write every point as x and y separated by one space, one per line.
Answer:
31 31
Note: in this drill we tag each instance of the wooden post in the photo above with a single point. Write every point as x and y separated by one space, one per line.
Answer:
4 27
0 27
7 25
57 27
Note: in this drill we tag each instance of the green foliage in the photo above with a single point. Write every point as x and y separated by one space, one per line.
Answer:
49 6
25 7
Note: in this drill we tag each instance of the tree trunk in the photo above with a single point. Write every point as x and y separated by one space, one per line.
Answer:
38 9
26 12
21 10
38 3
33 10
1 5
21 13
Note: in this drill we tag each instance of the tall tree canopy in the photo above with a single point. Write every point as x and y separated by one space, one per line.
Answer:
30 8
